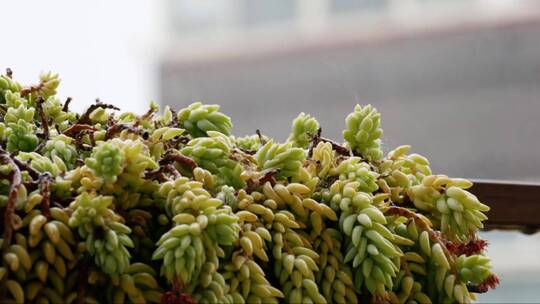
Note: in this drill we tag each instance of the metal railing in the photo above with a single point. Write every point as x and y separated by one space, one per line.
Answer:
514 205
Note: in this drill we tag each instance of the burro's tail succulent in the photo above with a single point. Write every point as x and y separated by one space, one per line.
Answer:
115 207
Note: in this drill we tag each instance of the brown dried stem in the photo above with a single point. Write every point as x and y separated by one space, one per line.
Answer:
32 89
85 118
145 116
476 288
490 282
248 152
395 210
177 141
473 246
159 173
169 168
82 278
261 138
65 108
12 197
44 185
335 146
267 177
117 128
182 159
44 122
424 225
34 174
314 141
77 128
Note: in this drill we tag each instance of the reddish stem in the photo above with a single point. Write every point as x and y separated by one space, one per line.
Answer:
117 128
335 146
32 89
423 225
490 282
268 177
157 174
394 210
77 128
172 170
182 159
469 248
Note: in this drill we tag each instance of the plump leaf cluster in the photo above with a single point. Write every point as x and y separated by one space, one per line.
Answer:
115 207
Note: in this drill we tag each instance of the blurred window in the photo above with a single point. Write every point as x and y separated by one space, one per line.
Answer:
345 6
515 259
189 15
261 12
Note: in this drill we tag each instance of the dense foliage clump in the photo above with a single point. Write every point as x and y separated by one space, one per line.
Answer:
110 207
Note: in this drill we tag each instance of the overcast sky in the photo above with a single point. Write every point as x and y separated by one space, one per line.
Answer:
105 49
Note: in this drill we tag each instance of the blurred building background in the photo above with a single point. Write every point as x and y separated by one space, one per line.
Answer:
462 73
459 80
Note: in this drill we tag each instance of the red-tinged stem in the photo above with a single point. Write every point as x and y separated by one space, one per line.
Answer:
77 128
172 170
423 225
117 128
182 159
490 282
31 89
157 174
394 210
175 296
472 247
335 146
268 177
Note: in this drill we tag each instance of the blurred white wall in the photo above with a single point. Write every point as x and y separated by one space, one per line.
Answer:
105 49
